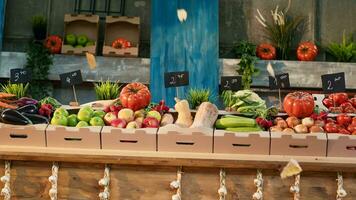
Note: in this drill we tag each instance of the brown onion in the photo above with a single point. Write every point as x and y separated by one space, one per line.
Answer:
308 122
276 120
276 129
320 123
282 124
301 128
288 130
316 129
292 122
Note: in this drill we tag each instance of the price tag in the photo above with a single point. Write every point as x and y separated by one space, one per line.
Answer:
333 82
233 83
71 78
20 75
280 82
176 79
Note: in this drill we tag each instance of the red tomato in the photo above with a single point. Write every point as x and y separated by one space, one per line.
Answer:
343 120
330 120
331 128
353 102
121 43
351 128
266 51
353 120
135 96
344 131
353 133
307 51
345 105
339 98
349 109
336 110
328 102
299 104
53 43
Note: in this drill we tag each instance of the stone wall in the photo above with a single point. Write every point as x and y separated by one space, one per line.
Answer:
326 20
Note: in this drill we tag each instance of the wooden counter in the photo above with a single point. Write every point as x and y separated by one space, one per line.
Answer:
147 175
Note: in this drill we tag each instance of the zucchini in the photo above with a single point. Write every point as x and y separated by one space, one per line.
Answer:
232 122
244 129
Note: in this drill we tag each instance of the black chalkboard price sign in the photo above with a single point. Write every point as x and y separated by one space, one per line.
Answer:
233 83
20 75
176 79
71 78
280 82
333 82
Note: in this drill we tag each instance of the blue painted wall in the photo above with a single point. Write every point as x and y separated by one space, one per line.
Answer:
191 45
2 16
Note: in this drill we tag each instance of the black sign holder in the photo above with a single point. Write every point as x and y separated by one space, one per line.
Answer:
176 79
279 81
71 79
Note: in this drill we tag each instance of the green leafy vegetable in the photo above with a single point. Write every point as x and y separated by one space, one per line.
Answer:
20 90
195 97
107 90
345 51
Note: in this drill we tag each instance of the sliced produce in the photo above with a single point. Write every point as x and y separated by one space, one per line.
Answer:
299 104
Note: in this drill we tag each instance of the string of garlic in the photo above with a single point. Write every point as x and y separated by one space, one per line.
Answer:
177 185
6 191
105 182
258 181
340 193
222 190
295 189
53 179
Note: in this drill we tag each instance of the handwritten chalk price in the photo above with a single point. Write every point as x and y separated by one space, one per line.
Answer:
333 82
20 75
280 82
71 78
233 83
176 79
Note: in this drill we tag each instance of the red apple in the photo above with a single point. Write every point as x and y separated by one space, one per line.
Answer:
107 109
118 123
109 117
150 122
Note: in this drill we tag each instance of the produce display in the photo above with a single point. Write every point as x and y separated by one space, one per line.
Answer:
340 103
299 104
121 43
78 41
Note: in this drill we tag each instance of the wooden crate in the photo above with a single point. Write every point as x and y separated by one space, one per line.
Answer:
30 135
340 145
241 143
72 137
196 140
78 25
122 27
312 144
129 139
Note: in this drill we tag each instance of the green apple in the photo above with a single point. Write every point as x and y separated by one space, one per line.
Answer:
154 114
71 39
85 114
99 113
72 120
78 46
90 43
82 124
82 40
96 121
59 120
61 111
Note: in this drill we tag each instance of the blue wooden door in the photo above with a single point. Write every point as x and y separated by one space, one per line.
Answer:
2 17
191 46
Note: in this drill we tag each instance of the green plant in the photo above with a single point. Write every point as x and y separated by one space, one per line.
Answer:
107 90
282 31
20 90
39 27
195 97
39 61
228 99
345 51
244 47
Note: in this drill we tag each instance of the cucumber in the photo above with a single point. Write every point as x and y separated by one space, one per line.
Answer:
233 122
244 129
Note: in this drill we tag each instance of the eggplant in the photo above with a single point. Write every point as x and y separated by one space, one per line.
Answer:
10 116
26 101
30 109
36 119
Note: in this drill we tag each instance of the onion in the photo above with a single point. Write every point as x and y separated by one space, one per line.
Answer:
320 123
301 128
308 122
275 129
316 129
288 130
292 122
277 119
282 124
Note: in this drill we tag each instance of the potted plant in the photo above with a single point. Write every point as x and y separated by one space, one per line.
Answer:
107 90
345 51
39 27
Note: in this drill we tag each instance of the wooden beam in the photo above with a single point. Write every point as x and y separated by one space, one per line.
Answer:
174 159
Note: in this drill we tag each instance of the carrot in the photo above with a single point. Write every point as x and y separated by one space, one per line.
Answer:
5 105
6 95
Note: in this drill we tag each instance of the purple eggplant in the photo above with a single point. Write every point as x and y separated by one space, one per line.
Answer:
26 101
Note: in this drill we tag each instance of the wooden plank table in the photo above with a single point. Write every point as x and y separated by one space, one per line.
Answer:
147 175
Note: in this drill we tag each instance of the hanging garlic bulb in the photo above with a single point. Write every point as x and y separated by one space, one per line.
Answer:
105 182
176 185
222 190
6 191
53 179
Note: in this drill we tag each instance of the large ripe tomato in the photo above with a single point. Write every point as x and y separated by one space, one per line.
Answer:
266 51
351 128
121 43
331 128
328 102
343 120
353 102
135 96
53 43
353 121
339 98
307 51
299 104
